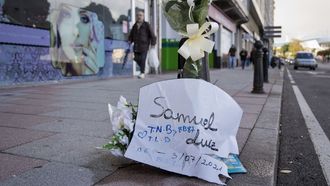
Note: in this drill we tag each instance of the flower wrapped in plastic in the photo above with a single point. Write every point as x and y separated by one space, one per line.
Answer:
180 13
189 18
122 119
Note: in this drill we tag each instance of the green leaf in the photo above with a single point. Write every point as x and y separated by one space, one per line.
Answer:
170 4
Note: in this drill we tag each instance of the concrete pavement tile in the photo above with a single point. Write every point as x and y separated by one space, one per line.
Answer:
11 137
145 175
37 96
268 87
73 149
58 174
11 166
26 109
270 115
72 104
269 120
241 137
276 91
26 101
249 100
80 127
6 99
51 97
22 120
80 92
231 92
249 94
254 109
273 104
77 113
248 120
259 158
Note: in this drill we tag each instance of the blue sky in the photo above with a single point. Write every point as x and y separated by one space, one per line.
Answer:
302 19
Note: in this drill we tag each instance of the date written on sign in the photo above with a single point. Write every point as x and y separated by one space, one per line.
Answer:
181 160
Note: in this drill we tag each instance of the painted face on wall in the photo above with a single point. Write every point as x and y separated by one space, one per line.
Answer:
77 41
74 27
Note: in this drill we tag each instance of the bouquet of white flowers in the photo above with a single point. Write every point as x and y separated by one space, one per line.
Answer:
123 119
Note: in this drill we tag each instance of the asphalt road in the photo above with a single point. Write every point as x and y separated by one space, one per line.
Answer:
315 86
298 161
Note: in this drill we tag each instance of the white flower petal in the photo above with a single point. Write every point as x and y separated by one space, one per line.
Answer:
122 103
117 152
124 140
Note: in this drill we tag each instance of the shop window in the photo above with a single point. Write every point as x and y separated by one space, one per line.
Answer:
115 15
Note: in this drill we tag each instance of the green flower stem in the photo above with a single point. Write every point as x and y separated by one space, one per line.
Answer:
192 69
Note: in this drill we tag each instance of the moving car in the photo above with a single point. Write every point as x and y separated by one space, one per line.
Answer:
289 61
306 60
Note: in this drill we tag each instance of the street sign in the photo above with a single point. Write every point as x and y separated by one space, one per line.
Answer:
272 31
273 27
272 36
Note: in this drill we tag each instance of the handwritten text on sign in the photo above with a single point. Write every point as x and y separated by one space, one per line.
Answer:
179 122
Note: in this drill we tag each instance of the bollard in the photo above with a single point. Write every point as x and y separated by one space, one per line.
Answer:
205 68
258 78
265 64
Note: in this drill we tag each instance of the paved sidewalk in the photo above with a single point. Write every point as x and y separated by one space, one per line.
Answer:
49 133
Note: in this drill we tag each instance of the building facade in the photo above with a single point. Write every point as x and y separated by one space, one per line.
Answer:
55 40
242 22
58 40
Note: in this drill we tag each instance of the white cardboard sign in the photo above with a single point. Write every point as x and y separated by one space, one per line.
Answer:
179 122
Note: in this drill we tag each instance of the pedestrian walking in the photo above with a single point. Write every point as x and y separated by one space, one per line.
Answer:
243 55
142 36
232 56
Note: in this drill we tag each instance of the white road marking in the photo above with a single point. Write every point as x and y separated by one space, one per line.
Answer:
320 141
290 77
322 76
310 72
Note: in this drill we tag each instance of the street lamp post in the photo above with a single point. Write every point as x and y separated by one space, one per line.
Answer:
258 78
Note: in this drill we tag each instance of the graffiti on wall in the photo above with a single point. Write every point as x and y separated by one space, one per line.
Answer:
26 64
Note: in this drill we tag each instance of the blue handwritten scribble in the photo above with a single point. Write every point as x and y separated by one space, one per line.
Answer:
187 129
142 134
170 130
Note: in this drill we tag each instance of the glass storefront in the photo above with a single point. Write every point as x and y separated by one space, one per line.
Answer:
114 14
42 40
227 40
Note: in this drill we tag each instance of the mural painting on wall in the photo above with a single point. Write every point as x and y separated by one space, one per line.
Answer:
77 41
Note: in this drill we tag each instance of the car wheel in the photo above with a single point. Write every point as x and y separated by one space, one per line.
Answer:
296 68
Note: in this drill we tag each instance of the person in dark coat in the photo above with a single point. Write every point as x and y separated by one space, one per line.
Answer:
232 56
142 36
243 55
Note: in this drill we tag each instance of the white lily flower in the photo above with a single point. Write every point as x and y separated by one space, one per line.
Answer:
117 152
121 116
123 140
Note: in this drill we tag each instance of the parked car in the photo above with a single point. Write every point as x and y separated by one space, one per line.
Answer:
306 60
